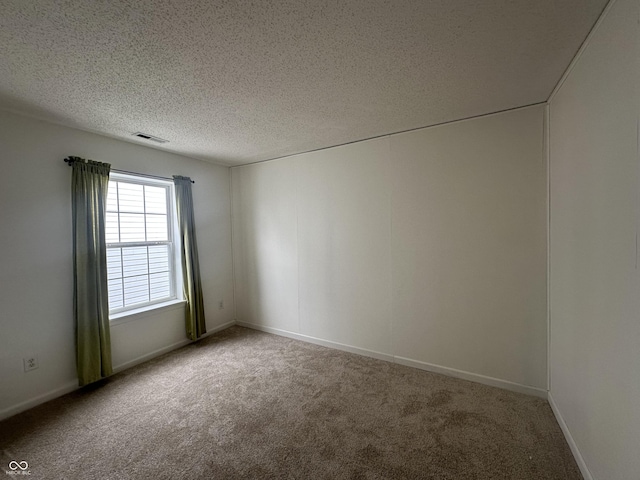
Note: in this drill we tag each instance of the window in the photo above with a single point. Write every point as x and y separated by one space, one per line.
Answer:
141 261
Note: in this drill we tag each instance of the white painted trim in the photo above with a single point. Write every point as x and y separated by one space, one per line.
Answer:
35 401
435 125
148 356
72 386
547 157
218 328
161 351
572 444
391 264
233 257
451 372
296 175
318 341
147 311
581 50
473 377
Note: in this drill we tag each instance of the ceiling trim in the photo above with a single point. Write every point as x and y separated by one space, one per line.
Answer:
458 120
581 50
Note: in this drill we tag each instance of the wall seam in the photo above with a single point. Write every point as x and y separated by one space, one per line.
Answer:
297 200
233 263
391 276
547 154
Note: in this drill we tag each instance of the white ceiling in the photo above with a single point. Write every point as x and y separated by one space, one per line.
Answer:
241 81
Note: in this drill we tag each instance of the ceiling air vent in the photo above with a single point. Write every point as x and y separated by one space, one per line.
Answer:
146 136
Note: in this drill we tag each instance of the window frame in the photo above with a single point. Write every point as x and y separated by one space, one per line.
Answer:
173 242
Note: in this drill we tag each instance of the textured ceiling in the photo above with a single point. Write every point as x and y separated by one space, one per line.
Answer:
241 81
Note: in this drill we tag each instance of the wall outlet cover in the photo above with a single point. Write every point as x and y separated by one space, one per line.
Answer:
30 363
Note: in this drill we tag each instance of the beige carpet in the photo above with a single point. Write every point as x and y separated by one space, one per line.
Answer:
245 404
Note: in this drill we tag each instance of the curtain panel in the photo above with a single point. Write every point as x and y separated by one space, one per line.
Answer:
194 314
89 184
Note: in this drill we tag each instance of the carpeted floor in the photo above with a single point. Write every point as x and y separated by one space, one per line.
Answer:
246 404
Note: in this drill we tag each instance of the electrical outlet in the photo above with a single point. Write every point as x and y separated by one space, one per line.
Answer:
220 304
30 363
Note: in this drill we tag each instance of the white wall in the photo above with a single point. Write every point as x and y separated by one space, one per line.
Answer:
344 238
469 246
428 247
266 265
36 310
594 290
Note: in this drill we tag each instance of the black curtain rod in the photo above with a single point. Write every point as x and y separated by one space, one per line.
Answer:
70 162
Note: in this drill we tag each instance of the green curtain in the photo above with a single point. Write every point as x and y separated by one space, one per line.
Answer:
89 184
194 315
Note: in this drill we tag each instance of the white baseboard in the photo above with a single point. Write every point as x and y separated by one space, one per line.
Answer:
161 351
473 377
451 372
318 341
71 386
148 356
219 328
572 444
35 401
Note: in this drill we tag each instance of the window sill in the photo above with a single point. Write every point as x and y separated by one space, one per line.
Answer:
131 315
